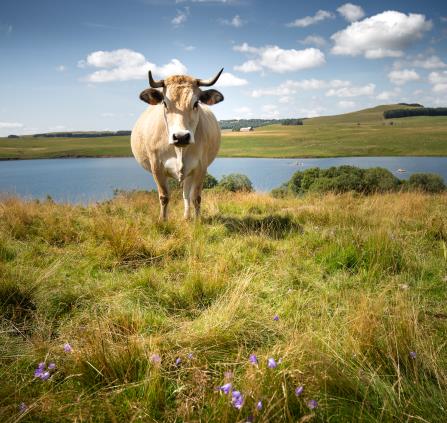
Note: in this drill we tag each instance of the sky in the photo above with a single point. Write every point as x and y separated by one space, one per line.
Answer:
80 65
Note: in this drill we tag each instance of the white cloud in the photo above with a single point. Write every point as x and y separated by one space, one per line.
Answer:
181 17
351 91
10 125
431 62
346 104
321 15
388 95
439 81
243 112
125 65
270 111
229 80
285 100
351 12
382 35
237 22
292 87
401 77
312 111
189 48
278 60
61 68
314 40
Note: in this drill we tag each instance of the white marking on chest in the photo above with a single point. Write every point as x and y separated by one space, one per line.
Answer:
181 165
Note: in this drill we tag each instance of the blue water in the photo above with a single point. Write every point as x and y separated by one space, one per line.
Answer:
90 180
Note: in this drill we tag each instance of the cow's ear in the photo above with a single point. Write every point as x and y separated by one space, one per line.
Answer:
151 96
211 97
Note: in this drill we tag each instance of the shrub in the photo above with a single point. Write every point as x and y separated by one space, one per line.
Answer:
427 182
210 181
378 179
235 183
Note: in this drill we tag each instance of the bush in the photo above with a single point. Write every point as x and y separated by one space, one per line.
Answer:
210 181
378 179
350 178
235 183
427 182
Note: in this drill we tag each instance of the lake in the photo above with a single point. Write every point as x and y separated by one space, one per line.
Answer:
89 180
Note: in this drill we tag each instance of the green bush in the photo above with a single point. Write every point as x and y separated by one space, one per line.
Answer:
350 178
235 183
210 181
427 182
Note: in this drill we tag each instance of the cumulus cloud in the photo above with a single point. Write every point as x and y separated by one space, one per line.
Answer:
237 22
438 81
321 15
431 62
289 87
125 65
279 60
181 17
382 35
243 112
388 95
292 87
401 77
351 12
351 91
313 40
229 80
10 125
346 104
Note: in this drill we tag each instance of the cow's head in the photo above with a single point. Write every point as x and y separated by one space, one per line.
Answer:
181 97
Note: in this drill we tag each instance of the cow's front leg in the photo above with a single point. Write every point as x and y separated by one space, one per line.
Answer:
163 193
187 184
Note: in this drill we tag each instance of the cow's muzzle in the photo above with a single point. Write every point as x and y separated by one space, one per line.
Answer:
181 140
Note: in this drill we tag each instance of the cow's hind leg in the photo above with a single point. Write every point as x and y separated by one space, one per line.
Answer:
163 193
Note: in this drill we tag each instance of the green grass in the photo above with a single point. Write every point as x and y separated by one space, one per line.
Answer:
363 133
358 283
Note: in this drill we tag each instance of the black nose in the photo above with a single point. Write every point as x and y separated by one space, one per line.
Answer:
181 139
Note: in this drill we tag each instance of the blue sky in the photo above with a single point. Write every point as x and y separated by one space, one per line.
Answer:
80 65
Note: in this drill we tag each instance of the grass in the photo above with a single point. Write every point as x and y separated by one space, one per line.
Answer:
357 282
362 133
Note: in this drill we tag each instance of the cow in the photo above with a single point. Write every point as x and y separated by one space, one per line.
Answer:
178 136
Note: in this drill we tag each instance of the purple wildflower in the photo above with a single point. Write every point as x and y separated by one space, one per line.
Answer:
271 363
68 348
45 375
299 390
40 369
23 407
413 355
226 388
276 318
190 356
312 404
178 361
155 358
52 366
253 359
259 405
237 400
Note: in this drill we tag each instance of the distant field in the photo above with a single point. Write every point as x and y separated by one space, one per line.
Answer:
362 133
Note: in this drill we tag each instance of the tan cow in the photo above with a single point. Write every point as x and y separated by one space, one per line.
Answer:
178 136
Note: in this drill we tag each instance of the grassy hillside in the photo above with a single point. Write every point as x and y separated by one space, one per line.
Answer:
159 316
362 133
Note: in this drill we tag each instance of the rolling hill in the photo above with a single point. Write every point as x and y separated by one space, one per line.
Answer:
361 133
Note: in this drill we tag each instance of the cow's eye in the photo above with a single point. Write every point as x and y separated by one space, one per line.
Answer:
196 105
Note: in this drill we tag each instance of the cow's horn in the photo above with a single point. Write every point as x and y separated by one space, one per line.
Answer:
155 84
208 82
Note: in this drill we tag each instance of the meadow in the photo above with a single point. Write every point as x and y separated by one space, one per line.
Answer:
362 133
322 308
